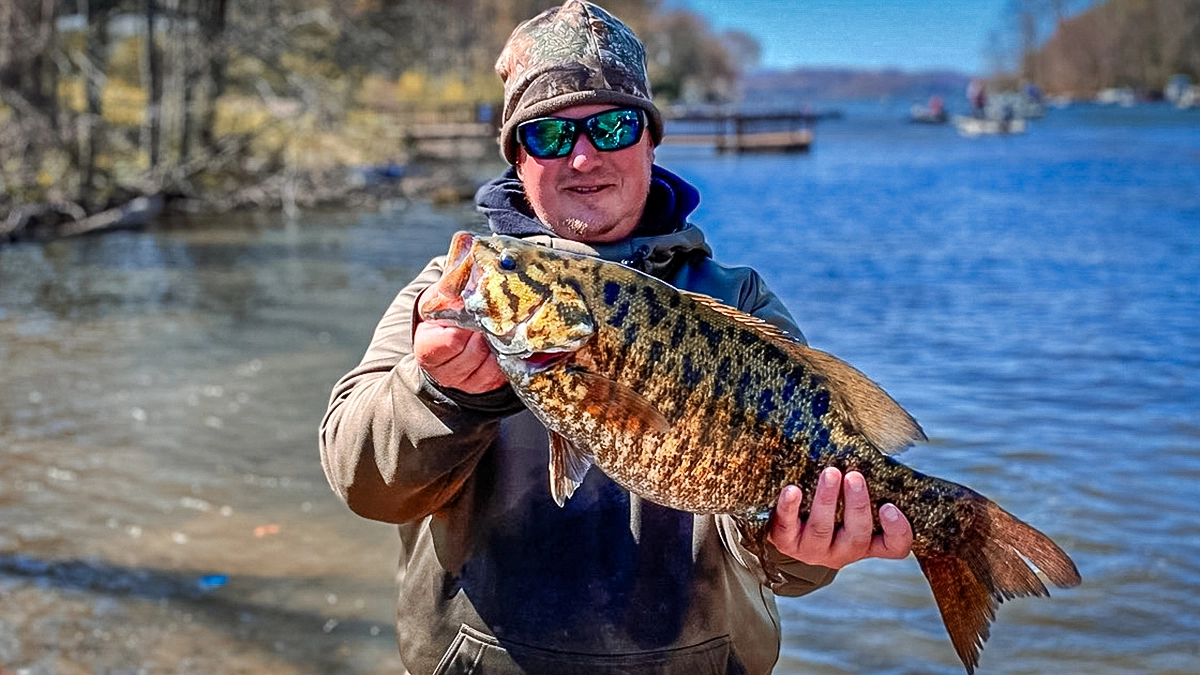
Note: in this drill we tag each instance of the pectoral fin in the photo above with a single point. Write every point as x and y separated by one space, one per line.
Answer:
610 401
568 466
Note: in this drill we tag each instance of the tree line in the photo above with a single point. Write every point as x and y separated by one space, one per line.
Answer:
229 102
1078 51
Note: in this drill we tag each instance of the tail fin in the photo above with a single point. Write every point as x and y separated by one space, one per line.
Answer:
986 569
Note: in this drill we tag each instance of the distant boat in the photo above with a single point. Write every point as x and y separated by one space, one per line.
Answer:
1123 96
1177 87
1190 98
983 126
928 114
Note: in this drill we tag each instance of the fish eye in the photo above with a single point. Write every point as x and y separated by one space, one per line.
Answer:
508 260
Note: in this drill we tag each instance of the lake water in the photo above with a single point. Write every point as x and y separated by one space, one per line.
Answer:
1033 300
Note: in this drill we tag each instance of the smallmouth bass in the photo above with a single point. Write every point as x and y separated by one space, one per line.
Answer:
697 406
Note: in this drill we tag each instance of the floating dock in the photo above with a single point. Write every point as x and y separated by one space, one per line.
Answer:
741 133
469 134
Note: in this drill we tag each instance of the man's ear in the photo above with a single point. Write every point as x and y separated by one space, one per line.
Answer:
520 161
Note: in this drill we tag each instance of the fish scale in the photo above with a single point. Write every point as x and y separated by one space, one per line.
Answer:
696 476
697 406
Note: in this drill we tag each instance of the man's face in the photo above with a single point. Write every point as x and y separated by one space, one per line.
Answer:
589 195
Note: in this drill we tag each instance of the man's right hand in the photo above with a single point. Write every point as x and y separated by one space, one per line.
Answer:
457 358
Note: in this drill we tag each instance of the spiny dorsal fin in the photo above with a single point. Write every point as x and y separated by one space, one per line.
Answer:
568 466
768 331
872 412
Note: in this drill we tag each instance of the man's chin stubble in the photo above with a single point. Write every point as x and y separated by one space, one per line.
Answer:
576 226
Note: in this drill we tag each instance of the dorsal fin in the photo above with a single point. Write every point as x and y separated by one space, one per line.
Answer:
869 408
872 412
768 331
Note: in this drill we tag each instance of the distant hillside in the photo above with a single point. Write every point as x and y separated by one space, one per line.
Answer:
816 84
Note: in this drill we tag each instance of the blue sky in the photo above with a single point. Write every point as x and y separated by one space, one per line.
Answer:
909 34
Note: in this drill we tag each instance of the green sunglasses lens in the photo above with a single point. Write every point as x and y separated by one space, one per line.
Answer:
554 137
547 138
615 129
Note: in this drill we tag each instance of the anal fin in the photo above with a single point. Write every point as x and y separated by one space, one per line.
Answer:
754 530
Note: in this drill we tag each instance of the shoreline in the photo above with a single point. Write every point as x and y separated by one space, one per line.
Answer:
440 183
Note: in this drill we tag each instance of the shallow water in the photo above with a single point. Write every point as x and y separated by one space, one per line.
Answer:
162 506
1034 301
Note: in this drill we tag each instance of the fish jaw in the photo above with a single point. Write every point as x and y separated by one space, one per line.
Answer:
524 342
496 286
521 367
444 302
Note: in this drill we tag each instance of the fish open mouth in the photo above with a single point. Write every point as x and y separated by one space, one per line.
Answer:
443 301
543 360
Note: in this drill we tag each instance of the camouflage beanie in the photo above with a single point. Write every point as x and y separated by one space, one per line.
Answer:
575 54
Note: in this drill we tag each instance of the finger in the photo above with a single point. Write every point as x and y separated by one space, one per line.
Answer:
897 538
449 363
474 370
785 523
818 530
487 375
858 525
435 345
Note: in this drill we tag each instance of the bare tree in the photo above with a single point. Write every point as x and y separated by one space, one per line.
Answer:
28 87
147 121
154 84
93 66
687 61
212 16
1133 43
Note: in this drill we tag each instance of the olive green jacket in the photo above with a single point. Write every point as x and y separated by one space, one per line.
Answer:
494 576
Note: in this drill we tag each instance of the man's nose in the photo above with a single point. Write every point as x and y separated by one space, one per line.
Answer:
584 156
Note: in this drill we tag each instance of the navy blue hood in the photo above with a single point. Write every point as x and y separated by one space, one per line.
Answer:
671 201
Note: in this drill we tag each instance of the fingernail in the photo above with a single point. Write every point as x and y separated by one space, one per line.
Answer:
889 513
790 493
857 483
829 477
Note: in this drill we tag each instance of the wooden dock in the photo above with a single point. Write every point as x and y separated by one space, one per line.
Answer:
452 132
469 134
741 133
452 140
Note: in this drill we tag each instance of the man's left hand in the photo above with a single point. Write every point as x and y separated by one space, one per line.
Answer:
819 541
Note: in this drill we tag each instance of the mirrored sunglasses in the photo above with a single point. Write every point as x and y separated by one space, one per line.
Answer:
553 137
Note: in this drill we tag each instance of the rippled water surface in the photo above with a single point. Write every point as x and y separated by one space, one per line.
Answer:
1034 301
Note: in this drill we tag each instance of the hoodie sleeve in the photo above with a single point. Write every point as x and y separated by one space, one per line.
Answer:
395 446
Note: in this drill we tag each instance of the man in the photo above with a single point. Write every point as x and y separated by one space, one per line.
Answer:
424 433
